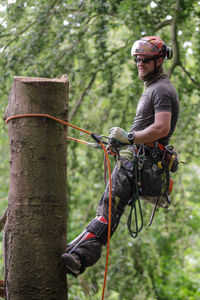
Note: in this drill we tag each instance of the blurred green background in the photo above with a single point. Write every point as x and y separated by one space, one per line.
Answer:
90 41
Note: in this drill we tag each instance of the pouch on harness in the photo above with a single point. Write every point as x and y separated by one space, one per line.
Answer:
155 183
152 165
154 177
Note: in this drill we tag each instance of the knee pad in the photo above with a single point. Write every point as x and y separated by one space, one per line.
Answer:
99 227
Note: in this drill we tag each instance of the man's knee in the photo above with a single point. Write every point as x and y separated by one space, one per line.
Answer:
99 227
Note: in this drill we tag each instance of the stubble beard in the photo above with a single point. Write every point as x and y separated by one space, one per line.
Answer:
146 76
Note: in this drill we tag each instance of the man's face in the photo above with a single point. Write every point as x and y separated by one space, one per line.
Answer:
146 68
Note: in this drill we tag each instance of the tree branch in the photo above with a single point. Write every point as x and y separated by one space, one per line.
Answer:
7 34
29 25
176 57
163 24
176 60
190 76
86 90
87 26
48 16
18 35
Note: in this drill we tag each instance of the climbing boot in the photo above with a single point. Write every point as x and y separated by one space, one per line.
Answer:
72 263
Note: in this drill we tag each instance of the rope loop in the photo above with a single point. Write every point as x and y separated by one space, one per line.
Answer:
134 201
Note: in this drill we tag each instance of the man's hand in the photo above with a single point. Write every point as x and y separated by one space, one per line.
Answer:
117 134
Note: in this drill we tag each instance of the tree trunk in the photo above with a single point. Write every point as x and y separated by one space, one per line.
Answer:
35 231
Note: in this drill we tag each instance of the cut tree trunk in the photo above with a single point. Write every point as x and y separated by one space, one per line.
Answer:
35 230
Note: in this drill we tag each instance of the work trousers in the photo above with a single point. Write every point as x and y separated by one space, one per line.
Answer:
89 248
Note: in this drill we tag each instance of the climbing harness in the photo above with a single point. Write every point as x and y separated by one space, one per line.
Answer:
152 166
100 144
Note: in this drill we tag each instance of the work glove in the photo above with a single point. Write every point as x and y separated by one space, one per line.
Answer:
118 135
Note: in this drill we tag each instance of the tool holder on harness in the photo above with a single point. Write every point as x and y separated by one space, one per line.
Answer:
152 166
154 173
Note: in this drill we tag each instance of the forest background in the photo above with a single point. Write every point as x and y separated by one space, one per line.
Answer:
90 41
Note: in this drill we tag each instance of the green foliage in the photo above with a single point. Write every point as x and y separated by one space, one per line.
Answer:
90 41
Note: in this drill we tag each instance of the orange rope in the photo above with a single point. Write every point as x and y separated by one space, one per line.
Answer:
76 140
47 116
109 218
109 172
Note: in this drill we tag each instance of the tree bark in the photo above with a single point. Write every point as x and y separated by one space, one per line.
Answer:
35 230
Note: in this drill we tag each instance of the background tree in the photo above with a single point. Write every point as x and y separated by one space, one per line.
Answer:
91 42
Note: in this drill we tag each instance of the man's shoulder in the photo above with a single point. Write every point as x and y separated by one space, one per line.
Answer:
161 82
162 85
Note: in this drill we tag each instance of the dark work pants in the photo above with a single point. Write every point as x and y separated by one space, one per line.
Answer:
89 250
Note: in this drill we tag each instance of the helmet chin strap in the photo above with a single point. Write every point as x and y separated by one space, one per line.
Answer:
152 75
156 69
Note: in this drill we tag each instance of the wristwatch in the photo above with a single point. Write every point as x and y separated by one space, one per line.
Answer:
131 137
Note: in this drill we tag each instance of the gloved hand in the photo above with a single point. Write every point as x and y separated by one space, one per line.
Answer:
118 134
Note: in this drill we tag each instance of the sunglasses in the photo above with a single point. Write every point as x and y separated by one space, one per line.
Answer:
144 60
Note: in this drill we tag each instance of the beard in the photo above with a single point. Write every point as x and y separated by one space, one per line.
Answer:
147 76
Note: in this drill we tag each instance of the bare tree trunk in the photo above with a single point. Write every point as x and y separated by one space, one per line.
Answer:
35 231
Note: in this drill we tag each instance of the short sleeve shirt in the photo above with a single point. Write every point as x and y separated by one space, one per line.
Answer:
159 96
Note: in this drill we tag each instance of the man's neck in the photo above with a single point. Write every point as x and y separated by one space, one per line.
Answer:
154 77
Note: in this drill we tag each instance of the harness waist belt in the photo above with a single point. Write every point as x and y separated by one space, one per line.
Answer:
153 144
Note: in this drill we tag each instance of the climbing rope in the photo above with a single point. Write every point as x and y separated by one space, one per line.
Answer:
133 203
94 145
98 140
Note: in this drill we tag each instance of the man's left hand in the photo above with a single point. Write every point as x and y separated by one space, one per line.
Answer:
119 135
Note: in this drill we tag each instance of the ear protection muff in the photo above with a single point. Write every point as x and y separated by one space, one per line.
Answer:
167 52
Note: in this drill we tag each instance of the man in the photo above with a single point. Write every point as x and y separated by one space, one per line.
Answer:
155 120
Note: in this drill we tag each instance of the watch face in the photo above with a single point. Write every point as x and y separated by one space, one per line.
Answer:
131 136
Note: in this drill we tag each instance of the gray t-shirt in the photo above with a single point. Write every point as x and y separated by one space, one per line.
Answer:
158 96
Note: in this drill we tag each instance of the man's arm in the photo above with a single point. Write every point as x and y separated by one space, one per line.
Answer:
160 128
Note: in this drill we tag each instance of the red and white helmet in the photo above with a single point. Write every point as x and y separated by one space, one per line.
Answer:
151 46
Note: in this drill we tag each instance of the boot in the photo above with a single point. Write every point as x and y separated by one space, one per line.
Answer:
72 263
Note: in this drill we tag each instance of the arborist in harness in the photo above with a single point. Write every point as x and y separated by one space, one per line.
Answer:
144 162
